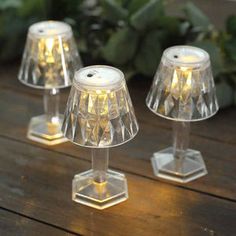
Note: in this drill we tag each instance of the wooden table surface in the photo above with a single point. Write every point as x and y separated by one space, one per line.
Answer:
35 180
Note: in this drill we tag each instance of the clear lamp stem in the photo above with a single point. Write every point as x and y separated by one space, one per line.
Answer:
51 105
100 159
181 132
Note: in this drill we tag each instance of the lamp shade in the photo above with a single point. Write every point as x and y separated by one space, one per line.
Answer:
183 88
99 110
50 57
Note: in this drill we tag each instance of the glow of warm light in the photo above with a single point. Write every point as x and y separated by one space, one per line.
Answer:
55 120
189 58
101 187
180 89
98 102
49 43
175 85
175 80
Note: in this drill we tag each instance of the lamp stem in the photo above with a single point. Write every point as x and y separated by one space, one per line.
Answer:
100 159
51 105
181 132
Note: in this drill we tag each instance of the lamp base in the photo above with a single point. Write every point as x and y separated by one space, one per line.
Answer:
99 195
184 170
40 130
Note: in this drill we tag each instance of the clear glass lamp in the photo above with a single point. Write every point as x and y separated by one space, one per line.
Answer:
99 115
183 90
49 61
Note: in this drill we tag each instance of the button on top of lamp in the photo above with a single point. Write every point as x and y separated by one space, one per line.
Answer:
94 77
49 29
186 56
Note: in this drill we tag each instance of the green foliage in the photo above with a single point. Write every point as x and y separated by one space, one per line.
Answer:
121 46
113 11
196 17
214 52
225 94
149 54
231 25
129 34
148 15
15 18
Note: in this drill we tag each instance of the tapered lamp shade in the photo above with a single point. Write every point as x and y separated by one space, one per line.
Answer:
50 57
99 115
99 110
183 88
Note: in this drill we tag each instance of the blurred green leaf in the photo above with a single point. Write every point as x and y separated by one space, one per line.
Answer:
32 7
135 5
225 94
215 54
149 14
12 37
231 25
170 24
4 4
196 17
113 11
149 54
121 46
234 97
184 27
230 47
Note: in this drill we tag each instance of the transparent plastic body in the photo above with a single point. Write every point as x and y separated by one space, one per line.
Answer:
50 56
178 163
46 128
183 90
99 115
49 62
99 187
99 112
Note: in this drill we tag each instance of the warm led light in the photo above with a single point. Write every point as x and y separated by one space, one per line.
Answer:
49 44
181 87
55 120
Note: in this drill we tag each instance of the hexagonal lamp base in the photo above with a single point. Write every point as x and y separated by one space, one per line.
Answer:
99 195
183 170
41 131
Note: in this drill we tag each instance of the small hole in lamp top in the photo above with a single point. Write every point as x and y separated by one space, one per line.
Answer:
89 75
99 76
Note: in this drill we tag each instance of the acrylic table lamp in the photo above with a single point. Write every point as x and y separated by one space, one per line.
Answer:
183 91
99 115
49 61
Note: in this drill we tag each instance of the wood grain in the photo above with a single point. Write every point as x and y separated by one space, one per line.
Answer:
37 183
15 225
